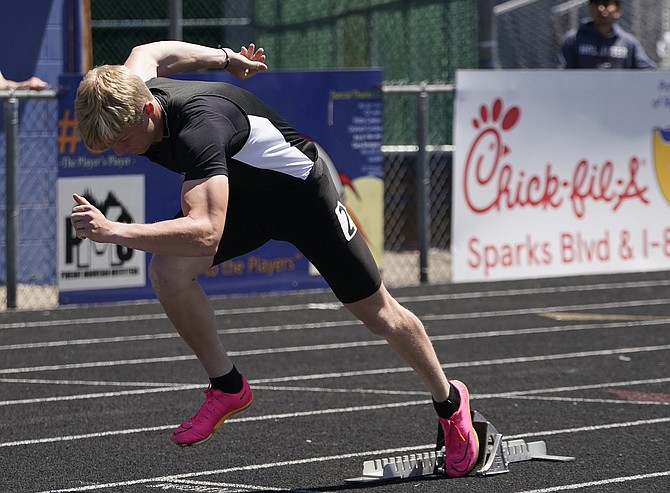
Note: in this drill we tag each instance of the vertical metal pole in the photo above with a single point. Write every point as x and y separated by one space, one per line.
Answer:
11 208
423 184
176 17
488 35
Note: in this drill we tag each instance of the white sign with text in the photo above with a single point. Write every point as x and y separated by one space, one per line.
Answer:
560 173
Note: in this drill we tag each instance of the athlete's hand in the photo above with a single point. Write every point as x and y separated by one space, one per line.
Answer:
247 63
89 222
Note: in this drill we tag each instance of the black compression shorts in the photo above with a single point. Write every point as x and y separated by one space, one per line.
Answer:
308 214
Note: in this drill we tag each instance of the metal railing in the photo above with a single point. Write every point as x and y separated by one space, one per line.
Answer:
11 101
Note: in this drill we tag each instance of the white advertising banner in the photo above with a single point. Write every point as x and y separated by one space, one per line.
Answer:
560 173
84 264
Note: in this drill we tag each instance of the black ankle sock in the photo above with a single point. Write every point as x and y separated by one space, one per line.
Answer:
446 409
230 383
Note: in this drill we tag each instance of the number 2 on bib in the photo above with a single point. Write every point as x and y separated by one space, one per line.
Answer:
348 226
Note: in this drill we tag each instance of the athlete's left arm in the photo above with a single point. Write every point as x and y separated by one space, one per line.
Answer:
164 58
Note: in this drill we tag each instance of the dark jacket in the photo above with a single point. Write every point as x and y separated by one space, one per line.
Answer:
587 48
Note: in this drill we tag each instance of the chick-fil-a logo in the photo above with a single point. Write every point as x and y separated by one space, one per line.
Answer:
490 182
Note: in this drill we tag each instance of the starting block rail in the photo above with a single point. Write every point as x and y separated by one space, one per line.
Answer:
495 456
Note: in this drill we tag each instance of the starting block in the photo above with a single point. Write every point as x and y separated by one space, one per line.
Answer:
495 456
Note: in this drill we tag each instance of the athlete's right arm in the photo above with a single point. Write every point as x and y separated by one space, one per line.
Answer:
164 58
197 233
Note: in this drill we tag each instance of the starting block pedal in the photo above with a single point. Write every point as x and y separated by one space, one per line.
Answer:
495 456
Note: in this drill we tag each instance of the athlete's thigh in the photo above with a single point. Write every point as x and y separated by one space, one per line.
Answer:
314 220
242 233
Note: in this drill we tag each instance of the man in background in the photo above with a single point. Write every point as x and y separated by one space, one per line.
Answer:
601 43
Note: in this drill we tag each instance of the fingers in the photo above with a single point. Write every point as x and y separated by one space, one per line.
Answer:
80 200
253 54
79 225
78 221
79 232
253 61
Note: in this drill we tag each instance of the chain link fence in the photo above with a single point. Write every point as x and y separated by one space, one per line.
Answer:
28 209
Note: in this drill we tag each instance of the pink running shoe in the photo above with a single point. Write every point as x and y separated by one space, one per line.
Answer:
218 407
460 438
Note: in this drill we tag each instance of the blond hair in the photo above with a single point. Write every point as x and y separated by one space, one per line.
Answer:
109 99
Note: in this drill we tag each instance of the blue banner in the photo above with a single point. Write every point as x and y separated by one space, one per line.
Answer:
339 110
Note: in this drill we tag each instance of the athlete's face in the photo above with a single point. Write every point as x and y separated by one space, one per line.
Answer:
136 138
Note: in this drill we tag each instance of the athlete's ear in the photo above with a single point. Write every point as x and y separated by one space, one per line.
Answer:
148 108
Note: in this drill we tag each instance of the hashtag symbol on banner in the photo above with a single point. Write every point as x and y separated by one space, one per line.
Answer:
67 134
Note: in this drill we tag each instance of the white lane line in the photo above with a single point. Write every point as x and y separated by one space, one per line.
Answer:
531 291
330 390
89 383
100 395
102 434
474 397
321 347
550 330
97 364
211 486
536 311
591 428
161 316
592 401
602 482
370 453
326 305
354 324
174 387
174 335
251 467
267 417
177 388
85 342
574 388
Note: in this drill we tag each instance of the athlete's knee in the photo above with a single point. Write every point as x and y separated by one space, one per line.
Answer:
160 272
383 315
392 321
171 271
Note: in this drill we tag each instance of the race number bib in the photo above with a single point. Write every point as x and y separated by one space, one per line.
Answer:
346 223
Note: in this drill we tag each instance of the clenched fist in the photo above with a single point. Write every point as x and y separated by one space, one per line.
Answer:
89 222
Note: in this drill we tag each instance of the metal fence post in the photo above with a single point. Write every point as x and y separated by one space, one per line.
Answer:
488 35
176 20
423 171
11 208
10 101
423 183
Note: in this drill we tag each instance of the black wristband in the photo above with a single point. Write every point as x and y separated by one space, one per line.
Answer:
227 56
